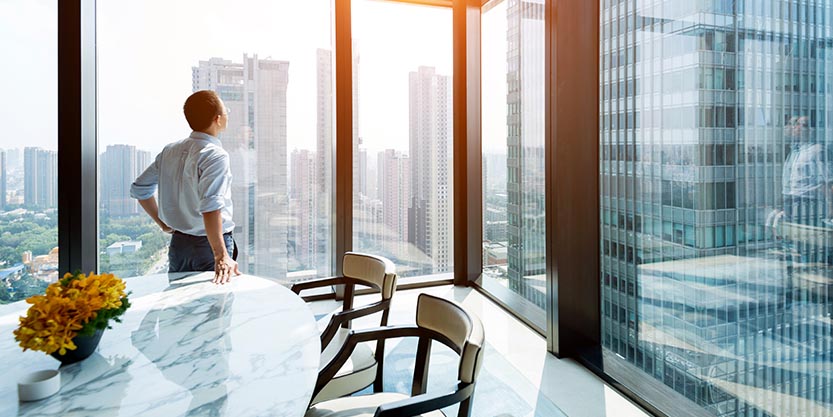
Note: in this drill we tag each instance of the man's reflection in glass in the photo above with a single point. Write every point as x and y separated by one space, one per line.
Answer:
807 186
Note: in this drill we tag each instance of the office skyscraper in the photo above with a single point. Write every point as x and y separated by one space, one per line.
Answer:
325 143
324 153
255 92
430 127
704 107
526 252
303 177
40 178
362 171
324 121
393 183
119 166
325 113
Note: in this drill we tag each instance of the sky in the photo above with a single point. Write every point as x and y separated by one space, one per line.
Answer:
146 50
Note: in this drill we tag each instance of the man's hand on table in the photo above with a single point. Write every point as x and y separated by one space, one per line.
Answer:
224 267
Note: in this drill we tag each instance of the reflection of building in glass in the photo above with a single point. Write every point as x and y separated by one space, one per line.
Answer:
430 212
40 178
255 93
495 219
699 107
723 331
525 145
302 206
119 165
324 153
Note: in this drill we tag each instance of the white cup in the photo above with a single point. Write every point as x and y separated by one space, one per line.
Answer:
39 385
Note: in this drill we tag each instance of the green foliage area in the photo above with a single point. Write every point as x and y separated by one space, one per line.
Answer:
136 228
28 232
38 233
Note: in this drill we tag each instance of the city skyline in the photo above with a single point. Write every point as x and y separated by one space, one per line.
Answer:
123 55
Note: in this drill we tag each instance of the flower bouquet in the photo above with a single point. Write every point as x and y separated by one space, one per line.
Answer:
68 320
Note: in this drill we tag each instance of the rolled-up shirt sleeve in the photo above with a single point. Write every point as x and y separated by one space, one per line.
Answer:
214 180
145 184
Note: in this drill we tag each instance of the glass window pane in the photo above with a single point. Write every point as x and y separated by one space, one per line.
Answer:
514 260
272 65
28 148
736 314
402 135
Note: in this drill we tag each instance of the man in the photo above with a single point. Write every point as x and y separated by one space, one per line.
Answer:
194 181
807 187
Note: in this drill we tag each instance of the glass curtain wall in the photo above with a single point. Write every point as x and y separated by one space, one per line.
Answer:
514 227
272 63
716 159
28 148
403 135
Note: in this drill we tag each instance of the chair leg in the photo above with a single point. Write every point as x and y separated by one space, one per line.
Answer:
423 356
378 383
348 302
465 407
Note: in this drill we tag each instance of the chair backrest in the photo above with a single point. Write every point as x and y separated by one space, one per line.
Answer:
371 270
462 330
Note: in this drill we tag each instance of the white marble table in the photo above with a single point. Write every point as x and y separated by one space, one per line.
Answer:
186 347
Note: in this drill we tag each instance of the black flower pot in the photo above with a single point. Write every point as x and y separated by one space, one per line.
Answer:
85 347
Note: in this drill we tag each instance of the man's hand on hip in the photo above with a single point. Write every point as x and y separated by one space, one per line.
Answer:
224 268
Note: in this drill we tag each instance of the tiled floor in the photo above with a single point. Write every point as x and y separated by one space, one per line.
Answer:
519 378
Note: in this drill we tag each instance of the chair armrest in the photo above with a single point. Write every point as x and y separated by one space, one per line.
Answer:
353 339
316 283
424 403
342 317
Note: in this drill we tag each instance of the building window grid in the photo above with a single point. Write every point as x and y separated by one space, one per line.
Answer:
719 233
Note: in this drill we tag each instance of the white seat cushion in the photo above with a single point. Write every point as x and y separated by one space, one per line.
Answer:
360 406
357 373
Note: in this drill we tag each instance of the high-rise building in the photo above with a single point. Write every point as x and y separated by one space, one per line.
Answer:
705 107
255 93
3 169
119 166
430 127
325 143
362 171
302 174
40 178
526 232
325 114
393 181
324 153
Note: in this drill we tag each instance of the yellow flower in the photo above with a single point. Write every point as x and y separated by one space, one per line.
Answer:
56 317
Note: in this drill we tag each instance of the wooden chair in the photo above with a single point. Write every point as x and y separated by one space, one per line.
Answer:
438 320
364 366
